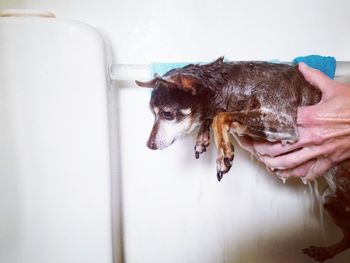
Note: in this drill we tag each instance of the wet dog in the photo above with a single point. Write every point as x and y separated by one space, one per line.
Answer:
255 99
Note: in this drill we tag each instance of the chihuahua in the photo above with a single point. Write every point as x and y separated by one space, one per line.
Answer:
242 98
254 99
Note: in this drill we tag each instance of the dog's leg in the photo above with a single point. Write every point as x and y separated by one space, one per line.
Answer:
320 254
203 138
241 123
337 205
337 209
221 127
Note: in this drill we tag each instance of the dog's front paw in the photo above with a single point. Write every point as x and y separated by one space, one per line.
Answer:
200 148
223 165
224 161
202 143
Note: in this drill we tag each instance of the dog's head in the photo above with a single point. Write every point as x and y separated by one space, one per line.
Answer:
176 105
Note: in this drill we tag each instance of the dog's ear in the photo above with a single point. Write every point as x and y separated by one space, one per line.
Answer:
148 84
152 83
186 82
220 60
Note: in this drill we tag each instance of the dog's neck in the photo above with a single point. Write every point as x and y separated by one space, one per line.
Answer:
210 104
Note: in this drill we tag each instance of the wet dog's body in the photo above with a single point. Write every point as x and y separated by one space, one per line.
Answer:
255 99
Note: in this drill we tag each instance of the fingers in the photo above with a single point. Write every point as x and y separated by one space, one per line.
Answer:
331 113
301 163
308 116
316 78
321 166
274 149
334 105
296 158
317 113
309 170
307 136
299 171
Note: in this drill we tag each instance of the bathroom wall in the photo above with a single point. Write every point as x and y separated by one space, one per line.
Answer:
196 30
174 209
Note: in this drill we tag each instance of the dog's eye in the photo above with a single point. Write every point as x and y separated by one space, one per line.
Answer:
167 115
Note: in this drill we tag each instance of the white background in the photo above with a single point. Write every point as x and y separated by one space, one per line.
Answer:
174 209
201 30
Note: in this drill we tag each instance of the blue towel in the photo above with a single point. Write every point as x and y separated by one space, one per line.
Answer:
325 64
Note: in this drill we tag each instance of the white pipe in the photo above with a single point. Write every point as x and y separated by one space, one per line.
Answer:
342 72
126 74
26 13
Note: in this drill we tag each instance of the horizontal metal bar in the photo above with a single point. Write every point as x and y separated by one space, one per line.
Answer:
342 72
124 75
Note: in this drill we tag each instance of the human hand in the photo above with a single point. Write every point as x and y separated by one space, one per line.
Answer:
324 133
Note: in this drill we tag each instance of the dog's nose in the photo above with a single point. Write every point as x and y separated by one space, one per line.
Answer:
152 145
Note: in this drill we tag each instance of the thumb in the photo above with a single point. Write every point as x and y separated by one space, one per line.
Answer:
317 78
308 115
318 114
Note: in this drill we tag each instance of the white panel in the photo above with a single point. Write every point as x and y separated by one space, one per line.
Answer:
55 199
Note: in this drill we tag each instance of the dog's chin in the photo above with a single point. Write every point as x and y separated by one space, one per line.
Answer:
160 145
163 145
